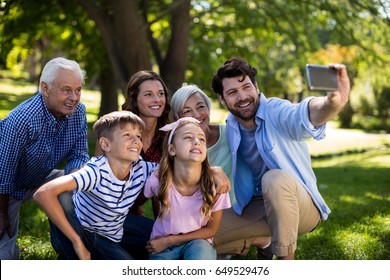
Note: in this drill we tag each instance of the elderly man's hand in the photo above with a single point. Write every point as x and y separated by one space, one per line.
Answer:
4 224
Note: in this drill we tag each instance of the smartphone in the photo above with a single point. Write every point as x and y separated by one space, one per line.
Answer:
320 77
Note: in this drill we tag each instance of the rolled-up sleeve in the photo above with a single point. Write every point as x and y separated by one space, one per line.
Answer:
11 143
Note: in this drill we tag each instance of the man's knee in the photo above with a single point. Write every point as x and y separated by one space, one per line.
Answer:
275 180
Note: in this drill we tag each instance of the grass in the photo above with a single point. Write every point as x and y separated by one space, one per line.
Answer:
356 188
354 185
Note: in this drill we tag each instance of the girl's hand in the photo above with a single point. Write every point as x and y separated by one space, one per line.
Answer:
158 245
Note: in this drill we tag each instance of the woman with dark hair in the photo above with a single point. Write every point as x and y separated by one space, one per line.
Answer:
147 97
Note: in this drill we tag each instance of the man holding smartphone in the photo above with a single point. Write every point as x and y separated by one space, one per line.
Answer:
275 183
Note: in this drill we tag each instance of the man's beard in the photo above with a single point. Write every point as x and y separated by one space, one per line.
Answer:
248 114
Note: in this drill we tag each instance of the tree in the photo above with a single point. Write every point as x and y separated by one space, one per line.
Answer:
125 30
187 40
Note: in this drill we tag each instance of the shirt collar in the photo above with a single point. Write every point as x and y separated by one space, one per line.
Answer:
49 116
262 110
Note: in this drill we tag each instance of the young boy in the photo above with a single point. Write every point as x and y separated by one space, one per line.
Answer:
104 190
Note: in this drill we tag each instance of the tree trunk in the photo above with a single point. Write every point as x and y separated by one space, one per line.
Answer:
124 35
109 90
173 67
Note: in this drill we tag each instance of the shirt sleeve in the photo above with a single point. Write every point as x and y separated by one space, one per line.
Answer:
87 177
12 142
294 119
316 132
79 154
222 202
151 186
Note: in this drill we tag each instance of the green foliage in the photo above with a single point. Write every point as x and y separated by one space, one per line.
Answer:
34 234
275 37
279 39
366 123
32 34
372 111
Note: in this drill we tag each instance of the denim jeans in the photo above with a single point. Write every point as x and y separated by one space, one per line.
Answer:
105 249
59 241
198 249
137 231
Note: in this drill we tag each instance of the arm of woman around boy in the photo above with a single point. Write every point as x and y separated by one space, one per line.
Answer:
47 198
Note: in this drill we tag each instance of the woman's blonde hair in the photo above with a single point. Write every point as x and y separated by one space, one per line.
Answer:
165 176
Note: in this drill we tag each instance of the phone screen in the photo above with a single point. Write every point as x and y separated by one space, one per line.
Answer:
321 77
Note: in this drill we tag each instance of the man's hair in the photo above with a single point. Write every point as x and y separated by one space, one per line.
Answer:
50 70
106 124
234 67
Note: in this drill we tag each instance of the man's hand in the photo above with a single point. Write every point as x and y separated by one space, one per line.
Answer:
341 96
324 108
4 222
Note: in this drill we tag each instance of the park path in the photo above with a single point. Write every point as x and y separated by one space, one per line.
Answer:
340 140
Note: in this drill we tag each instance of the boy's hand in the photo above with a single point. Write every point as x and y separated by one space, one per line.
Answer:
81 251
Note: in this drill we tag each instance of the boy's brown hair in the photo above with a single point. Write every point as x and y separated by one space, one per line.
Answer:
106 124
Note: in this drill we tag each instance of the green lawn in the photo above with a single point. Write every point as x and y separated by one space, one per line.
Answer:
356 187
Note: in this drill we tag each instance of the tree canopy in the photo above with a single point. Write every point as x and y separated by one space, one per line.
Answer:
186 41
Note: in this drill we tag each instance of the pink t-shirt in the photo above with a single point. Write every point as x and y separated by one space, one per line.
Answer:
184 214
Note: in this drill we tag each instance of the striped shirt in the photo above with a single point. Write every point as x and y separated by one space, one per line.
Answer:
33 143
102 201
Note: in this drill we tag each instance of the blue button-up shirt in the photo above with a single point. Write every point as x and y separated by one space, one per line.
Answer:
282 128
33 143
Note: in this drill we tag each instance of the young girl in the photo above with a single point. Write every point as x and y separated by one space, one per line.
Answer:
190 213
